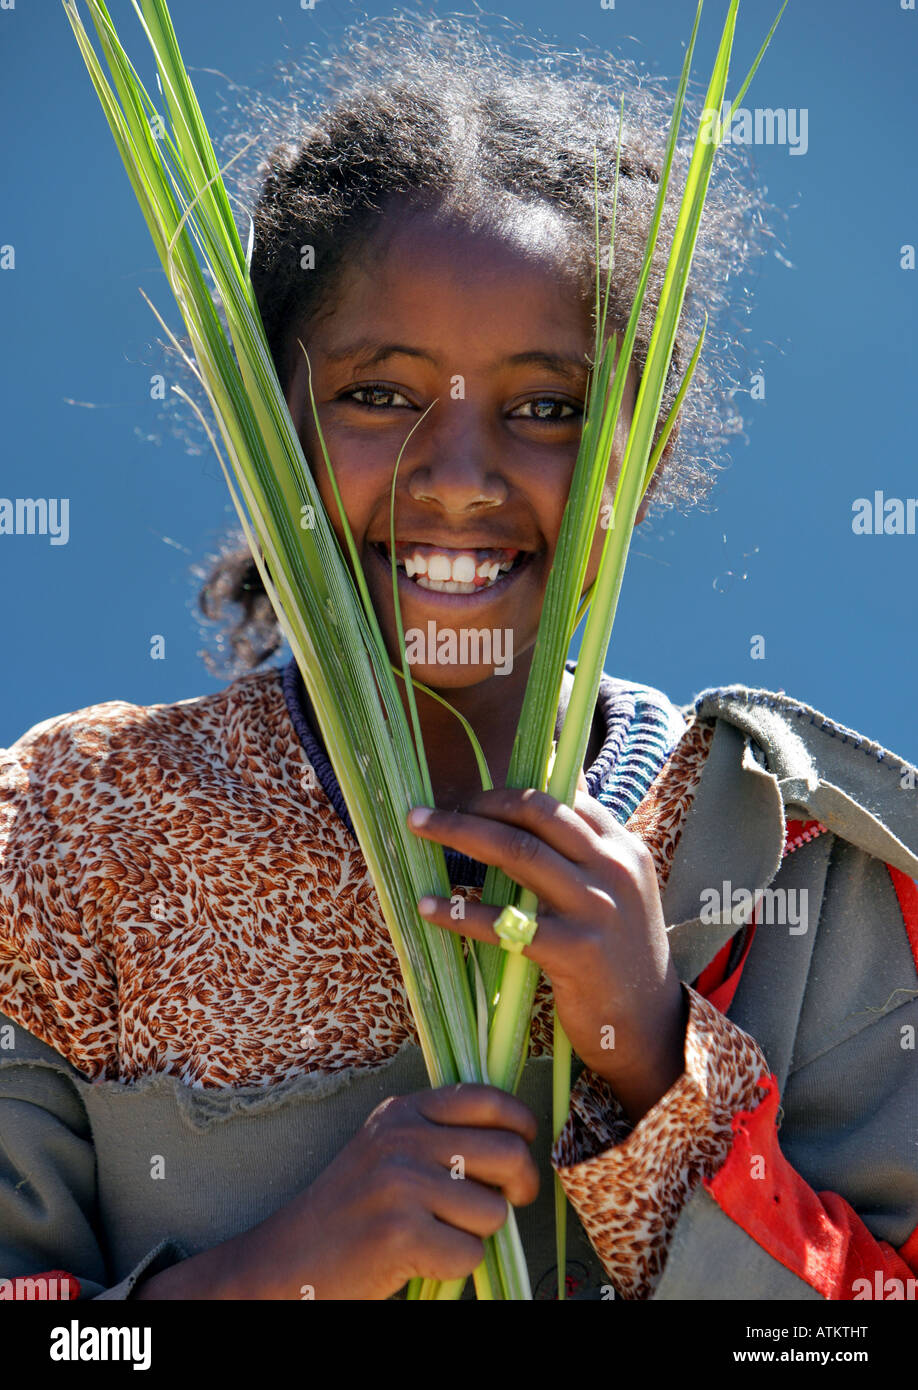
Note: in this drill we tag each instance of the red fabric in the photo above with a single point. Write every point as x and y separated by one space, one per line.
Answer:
817 1236
907 893
68 1286
712 984
800 832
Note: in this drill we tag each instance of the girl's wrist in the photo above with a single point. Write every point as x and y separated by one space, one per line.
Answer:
639 1088
202 1276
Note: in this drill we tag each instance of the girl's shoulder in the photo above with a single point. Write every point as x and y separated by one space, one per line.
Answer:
866 792
116 740
759 774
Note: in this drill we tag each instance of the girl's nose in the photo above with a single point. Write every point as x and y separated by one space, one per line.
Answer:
458 500
457 482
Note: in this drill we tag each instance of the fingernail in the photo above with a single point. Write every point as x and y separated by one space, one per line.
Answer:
419 816
426 906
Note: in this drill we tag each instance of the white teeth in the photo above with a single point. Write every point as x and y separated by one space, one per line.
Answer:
439 567
452 574
443 569
446 586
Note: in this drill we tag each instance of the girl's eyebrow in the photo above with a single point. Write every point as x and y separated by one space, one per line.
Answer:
366 352
569 365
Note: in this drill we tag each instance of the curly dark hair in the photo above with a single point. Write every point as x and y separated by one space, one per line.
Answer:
432 109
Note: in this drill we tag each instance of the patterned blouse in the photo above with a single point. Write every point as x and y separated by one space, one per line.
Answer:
181 891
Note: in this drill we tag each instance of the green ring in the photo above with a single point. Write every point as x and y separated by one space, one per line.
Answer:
515 929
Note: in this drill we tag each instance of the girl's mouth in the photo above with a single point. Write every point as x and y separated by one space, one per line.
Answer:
446 571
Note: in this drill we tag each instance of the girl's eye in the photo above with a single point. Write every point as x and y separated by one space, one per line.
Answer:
375 390
542 408
375 395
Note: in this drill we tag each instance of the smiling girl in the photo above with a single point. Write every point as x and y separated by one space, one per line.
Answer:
201 1005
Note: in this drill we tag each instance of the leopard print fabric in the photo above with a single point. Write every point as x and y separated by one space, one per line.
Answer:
629 1186
660 817
177 895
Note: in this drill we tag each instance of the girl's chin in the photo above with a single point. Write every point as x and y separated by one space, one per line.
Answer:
448 677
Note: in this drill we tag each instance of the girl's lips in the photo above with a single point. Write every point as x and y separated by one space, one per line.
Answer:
457 603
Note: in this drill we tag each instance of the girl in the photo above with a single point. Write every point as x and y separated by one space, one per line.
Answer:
201 1005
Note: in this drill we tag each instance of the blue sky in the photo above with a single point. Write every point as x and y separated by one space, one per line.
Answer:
774 555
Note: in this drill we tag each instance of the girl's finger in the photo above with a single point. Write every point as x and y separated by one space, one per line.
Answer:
558 825
599 818
467 1205
498 1158
590 847
526 857
478 923
561 827
475 1103
448 1253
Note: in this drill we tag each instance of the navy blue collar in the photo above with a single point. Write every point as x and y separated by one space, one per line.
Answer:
622 769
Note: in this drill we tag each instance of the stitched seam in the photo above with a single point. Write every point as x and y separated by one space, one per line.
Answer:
776 702
840 1042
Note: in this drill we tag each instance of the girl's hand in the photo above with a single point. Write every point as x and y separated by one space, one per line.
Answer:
601 937
414 1193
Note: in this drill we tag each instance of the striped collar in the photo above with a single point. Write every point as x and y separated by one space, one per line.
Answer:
641 729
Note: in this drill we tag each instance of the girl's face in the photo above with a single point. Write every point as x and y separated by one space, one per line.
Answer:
496 331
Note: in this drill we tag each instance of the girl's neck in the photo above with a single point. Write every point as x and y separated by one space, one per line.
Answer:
493 709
